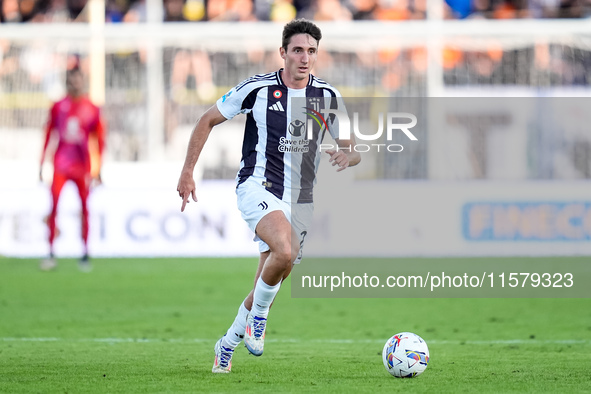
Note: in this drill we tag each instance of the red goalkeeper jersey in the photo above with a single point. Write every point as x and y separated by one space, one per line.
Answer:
74 120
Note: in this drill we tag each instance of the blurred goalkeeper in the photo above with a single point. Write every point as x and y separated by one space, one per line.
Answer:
73 123
277 173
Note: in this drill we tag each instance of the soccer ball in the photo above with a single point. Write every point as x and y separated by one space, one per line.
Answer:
405 355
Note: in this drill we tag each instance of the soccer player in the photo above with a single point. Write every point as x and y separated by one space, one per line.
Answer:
276 175
73 121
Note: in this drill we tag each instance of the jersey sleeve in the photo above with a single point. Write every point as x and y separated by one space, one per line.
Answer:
236 100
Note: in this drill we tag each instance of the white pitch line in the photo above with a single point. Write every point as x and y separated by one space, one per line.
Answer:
293 340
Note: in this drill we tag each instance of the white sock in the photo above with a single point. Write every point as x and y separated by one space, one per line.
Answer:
235 333
263 297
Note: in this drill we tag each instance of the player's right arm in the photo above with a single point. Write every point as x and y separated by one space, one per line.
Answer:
238 100
186 185
48 129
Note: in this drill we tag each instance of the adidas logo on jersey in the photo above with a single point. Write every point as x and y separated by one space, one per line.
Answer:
277 107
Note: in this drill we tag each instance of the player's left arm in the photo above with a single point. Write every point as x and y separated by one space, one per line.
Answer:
99 134
345 156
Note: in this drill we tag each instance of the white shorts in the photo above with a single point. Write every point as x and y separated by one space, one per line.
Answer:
254 202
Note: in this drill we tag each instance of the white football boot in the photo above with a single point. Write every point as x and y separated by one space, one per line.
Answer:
223 358
254 336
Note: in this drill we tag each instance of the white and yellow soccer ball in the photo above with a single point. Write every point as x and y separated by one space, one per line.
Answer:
405 355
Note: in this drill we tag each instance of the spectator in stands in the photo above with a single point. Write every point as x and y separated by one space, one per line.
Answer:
460 9
76 7
136 13
392 10
331 10
184 10
283 11
480 9
58 12
115 10
194 10
388 9
31 10
10 11
418 9
504 10
43 10
230 10
362 9
173 11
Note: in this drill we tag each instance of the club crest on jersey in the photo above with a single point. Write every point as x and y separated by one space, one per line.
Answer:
277 94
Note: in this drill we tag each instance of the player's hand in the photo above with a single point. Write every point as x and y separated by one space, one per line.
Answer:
338 158
186 188
97 180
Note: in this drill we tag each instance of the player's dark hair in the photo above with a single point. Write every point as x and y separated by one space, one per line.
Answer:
300 26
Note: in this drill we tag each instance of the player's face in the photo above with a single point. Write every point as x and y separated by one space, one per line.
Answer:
75 84
300 57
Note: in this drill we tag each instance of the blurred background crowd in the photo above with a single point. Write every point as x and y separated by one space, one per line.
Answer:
117 11
191 75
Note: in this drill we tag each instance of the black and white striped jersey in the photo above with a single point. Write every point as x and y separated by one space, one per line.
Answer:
278 149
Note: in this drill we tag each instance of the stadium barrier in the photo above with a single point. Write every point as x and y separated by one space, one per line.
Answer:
364 218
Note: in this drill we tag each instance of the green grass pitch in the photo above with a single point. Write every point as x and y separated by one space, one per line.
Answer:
149 325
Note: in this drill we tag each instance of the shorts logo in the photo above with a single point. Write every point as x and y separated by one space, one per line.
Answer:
264 205
277 94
